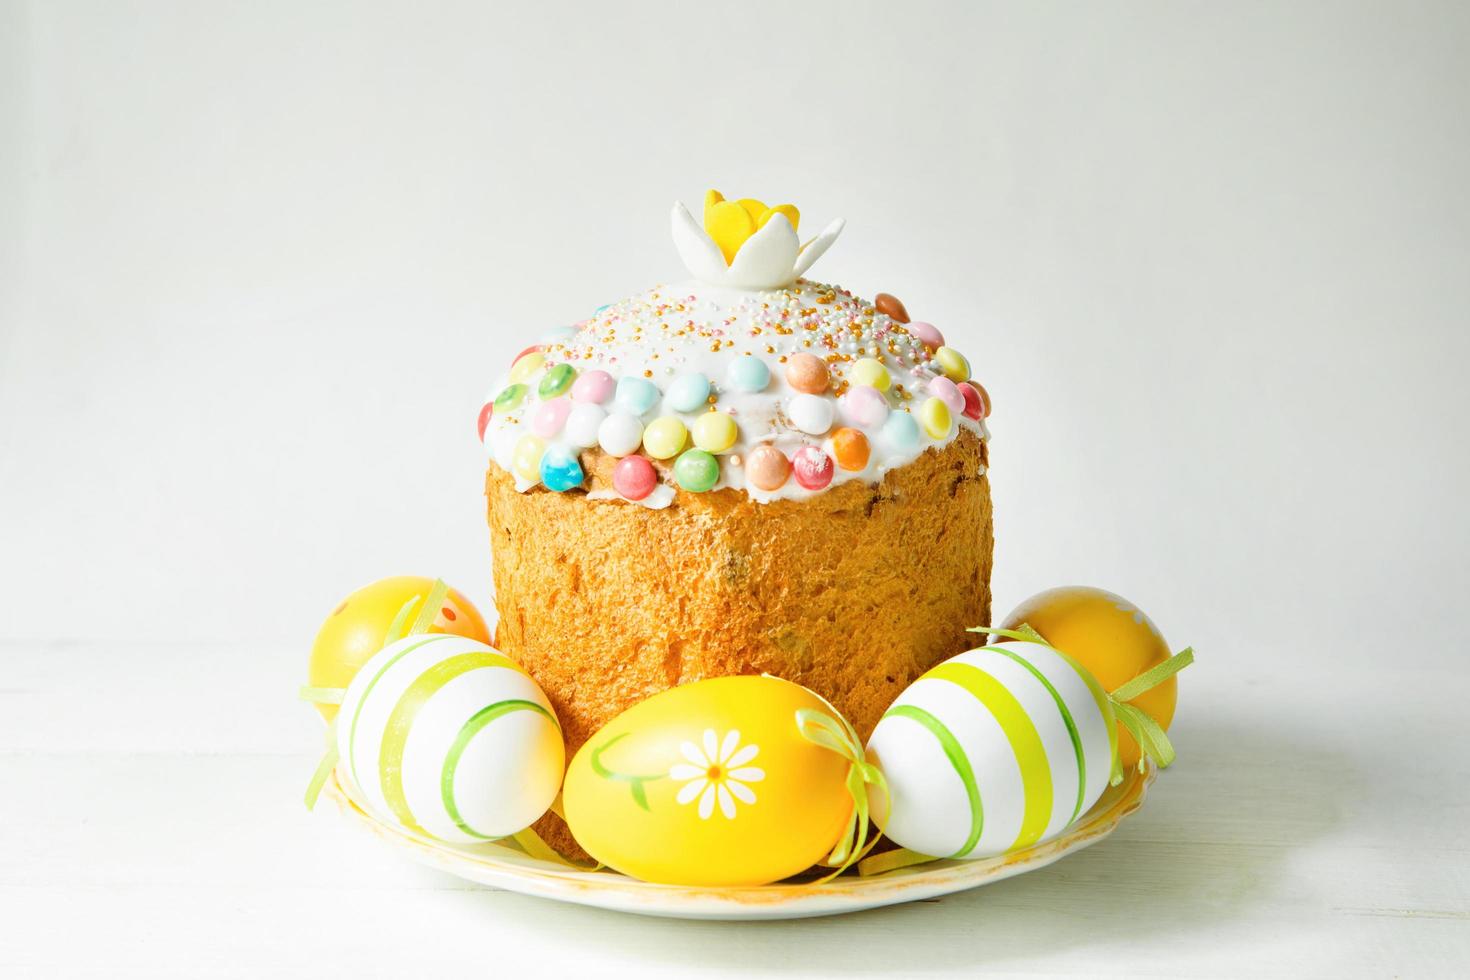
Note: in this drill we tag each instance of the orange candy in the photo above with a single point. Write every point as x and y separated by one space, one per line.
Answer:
807 373
767 468
850 447
892 306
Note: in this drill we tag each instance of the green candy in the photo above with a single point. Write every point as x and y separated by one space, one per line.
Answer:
508 399
557 380
696 470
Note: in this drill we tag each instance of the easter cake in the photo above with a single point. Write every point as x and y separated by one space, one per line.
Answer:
751 472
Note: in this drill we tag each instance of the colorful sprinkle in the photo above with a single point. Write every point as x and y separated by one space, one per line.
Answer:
714 432
620 434
527 459
486 411
550 417
927 334
664 437
593 386
935 416
767 468
748 374
696 471
871 372
688 392
583 423
510 398
948 392
811 467
865 405
851 449
953 364
810 413
901 432
525 367
560 469
636 395
889 305
557 381
807 373
634 477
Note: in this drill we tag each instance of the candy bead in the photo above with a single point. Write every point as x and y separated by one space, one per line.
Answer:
620 434
948 392
935 416
688 392
533 349
664 437
953 364
889 305
636 395
981 395
583 423
696 470
901 432
560 469
634 477
550 417
486 411
808 373
527 459
810 413
767 468
748 374
870 371
714 432
557 381
811 467
974 404
593 386
864 405
510 398
927 334
851 449
526 366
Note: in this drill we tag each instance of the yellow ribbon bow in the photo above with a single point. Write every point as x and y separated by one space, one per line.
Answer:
838 736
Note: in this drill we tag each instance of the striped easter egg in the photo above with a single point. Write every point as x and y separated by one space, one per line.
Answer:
448 737
992 751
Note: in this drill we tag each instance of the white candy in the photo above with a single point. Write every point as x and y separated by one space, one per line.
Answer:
810 413
620 434
446 736
992 751
583 423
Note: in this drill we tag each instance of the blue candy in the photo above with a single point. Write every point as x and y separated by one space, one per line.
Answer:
560 470
901 431
688 392
636 395
749 374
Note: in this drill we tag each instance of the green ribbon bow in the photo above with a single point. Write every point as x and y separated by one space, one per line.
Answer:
836 735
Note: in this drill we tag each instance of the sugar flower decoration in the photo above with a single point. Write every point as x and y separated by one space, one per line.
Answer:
745 244
717 772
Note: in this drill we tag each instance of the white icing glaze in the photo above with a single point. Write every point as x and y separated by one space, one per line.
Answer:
669 332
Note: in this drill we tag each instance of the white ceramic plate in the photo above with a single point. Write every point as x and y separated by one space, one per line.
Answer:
501 867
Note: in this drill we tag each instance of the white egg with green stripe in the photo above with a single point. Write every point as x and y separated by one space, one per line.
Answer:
992 751
448 737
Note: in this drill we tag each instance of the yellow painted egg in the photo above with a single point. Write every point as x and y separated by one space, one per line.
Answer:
1109 636
355 630
711 783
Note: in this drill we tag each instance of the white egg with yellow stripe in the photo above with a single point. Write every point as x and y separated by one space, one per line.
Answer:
992 751
449 737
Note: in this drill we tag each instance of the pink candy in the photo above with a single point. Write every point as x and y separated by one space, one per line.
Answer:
949 393
550 417
865 405
927 333
634 477
593 386
811 467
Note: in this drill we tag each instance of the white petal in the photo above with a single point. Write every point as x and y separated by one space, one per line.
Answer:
690 790
750 774
743 756
701 256
742 792
768 258
679 772
707 802
727 803
691 752
711 746
813 249
732 739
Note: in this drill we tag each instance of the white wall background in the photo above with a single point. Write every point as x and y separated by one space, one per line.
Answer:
260 261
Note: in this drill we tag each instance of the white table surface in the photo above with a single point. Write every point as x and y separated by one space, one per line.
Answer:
153 826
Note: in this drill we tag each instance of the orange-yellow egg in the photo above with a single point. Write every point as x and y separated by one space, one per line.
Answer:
355 629
1109 636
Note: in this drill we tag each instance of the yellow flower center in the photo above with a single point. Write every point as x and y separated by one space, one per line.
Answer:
730 223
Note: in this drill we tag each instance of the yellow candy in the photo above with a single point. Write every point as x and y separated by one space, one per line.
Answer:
953 364
935 417
526 460
526 368
664 437
715 432
870 371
